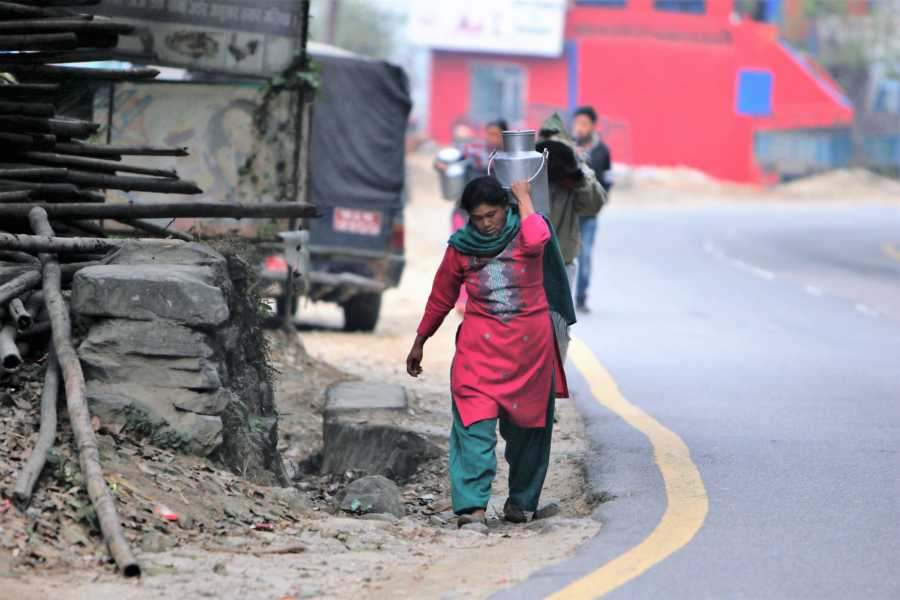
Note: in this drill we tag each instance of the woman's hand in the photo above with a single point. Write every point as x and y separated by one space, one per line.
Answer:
522 192
414 359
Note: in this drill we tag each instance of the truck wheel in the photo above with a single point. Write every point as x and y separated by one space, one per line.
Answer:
361 312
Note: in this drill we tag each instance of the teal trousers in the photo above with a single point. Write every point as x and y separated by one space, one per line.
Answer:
473 462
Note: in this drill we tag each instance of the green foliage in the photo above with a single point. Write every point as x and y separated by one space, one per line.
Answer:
294 78
66 472
88 515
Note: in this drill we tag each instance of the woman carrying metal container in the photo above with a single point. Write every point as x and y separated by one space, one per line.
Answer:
507 367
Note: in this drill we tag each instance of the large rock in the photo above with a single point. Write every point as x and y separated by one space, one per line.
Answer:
203 403
155 417
183 372
349 396
367 429
184 293
372 494
175 253
174 353
146 338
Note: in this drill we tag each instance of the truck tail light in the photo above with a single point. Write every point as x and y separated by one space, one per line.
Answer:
398 237
277 264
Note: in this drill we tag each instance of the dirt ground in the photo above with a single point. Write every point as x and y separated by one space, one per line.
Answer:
235 540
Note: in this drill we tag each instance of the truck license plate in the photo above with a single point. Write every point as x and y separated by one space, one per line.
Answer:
360 222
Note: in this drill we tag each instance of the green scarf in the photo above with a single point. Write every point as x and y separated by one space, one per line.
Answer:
470 242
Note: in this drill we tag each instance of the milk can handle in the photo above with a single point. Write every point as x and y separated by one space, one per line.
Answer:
544 158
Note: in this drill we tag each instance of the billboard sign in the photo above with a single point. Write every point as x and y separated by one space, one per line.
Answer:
521 27
245 37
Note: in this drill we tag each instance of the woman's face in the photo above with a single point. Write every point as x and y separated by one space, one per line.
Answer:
488 220
493 137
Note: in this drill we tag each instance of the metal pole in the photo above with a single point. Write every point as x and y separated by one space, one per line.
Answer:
301 140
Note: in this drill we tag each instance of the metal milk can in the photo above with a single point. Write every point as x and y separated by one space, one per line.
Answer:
453 175
517 161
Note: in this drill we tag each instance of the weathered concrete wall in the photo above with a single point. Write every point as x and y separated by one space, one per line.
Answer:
174 353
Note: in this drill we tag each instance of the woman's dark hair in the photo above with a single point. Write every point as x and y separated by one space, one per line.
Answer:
500 124
588 111
483 190
563 164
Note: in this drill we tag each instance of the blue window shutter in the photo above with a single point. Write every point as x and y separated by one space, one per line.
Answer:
754 93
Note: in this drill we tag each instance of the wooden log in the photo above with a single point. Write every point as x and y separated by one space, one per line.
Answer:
65 25
64 56
65 2
31 472
10 11
52 193
19 257
10 357
65 245
116 151
88 227
29 173
30 91
61 127
43 41
9 271
76 401
19 315
156 230
158 185
92 164
29 109
18 196
22 141
63 73
45 189
164 210
34 305
79 197
17 286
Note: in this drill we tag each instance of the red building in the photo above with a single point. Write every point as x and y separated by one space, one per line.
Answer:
677 82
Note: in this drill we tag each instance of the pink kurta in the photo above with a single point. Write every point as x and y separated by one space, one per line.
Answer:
506 354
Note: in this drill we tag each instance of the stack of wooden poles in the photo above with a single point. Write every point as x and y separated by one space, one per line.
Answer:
52 212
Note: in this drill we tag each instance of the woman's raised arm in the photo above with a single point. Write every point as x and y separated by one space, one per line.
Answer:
535 232
522 192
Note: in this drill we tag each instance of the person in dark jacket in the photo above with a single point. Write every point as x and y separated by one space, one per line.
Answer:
597 155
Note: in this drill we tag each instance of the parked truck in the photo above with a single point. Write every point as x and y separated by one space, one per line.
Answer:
357 181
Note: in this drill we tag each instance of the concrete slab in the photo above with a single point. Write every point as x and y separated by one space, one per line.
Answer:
349 396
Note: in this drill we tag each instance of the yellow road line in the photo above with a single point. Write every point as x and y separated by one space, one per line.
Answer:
891 250
686 499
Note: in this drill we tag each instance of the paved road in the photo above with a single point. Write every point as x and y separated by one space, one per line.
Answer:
768 338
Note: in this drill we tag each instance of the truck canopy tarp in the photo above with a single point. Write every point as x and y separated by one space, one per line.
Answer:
359 122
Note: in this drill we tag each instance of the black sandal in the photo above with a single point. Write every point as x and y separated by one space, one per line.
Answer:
468 518
513 513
